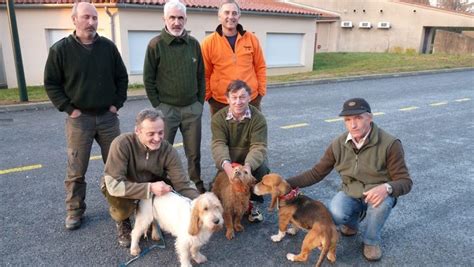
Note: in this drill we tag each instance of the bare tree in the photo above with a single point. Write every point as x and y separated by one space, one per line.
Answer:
456 5
422 2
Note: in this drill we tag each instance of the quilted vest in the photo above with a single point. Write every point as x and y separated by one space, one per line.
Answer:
366 168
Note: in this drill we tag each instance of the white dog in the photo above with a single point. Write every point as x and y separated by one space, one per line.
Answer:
191 222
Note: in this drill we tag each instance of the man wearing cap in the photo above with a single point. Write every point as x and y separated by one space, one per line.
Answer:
372 167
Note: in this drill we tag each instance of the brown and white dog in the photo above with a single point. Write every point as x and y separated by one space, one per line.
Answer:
235 195
304 213
191 222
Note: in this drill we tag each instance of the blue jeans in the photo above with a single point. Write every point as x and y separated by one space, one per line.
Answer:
346 210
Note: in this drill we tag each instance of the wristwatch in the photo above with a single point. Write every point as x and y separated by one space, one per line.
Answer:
389 188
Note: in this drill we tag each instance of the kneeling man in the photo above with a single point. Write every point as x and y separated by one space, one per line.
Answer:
139 165
371 164
239 135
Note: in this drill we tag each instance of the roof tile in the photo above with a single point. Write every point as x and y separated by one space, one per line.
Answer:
270 6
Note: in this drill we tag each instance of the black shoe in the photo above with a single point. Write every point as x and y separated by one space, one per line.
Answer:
73 222
124 229
255 216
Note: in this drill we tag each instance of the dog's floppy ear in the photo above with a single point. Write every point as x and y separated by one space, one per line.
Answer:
253 180
275 195
284 187
195 224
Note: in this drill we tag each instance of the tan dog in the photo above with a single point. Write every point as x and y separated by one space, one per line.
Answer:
304 213
234 195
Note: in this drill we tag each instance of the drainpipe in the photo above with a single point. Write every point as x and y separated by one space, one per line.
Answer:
112 22
20 74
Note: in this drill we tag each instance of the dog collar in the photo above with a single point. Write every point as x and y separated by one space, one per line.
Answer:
291 195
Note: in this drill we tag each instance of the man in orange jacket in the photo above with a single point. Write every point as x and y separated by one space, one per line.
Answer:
231 53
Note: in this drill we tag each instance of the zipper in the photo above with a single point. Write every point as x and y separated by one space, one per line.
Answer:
356 163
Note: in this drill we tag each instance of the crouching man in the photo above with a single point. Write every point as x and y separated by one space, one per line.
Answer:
372 166
142 164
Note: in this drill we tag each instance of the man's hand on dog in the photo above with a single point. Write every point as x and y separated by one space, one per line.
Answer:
229 170
376 195
160 188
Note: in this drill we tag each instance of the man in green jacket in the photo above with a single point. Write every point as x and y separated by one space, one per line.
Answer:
174 81
86 78
371 164
141 165
239 135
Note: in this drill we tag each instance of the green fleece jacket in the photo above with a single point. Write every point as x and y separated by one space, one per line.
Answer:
86 79
241 142
131 167
380 160
173 72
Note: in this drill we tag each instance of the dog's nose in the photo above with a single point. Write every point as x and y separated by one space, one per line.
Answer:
216 221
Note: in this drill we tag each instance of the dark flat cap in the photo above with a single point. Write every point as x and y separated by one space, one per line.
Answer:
355 106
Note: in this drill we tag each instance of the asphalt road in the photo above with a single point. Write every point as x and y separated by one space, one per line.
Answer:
432 225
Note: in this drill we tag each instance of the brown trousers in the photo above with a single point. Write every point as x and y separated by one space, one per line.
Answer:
119 208
80 134
188 120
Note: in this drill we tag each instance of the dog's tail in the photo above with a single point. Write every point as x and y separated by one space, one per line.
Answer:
325 246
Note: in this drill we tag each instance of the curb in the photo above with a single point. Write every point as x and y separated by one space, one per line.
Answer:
49 105
365 77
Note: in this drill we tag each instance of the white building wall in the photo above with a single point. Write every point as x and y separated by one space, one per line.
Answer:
407 22
33 25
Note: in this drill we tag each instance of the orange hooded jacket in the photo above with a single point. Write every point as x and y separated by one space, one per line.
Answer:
222 65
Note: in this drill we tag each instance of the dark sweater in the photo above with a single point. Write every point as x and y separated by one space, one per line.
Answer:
240 142
86 79
173 72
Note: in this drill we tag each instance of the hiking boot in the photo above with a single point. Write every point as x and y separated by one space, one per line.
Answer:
254 213
73 222
372 253
347 231
124 228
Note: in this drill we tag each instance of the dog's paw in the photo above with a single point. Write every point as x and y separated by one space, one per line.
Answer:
135 251
276 238
292 231
290 256
238 227
229 235
199 258
331 257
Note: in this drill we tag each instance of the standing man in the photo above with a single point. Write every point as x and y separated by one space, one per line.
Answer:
372 166
239 135
86 78
174 81
231 53
141 165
